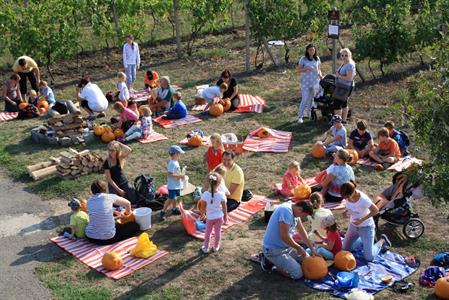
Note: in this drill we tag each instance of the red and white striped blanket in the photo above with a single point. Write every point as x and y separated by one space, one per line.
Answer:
278 142
91 255
142 95
402 164
206 141
248 103
153 137
189 119
8 116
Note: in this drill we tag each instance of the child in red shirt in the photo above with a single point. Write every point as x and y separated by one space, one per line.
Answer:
213 156
291 179
332 244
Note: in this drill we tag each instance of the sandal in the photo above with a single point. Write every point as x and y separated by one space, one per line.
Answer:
402 286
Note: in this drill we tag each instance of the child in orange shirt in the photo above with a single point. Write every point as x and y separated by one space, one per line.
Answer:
151 79
214 154
291 179
387 152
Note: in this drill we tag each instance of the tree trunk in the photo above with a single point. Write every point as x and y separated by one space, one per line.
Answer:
371 69
247 39
287 52
177 29
273 58
115 18
381 66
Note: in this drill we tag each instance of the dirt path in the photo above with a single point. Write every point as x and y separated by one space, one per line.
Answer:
26 223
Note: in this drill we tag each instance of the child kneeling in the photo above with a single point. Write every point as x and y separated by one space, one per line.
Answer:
142 130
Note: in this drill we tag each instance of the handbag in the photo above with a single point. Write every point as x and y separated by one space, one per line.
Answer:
341 91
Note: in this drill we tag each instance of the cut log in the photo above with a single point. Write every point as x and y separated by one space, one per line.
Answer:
39 166
84 152
44 172
71 107
55 160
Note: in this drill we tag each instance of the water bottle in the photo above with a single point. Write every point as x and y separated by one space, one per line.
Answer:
183 170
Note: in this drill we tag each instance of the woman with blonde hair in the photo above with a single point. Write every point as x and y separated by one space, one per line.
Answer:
162 98
345 77
113 170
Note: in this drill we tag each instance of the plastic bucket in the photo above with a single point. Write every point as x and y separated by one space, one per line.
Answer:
143 217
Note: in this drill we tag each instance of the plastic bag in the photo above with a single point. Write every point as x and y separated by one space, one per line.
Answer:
144 247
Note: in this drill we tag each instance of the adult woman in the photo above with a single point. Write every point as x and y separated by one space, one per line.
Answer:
102 229
361 225
309 67
162 97
131 60
11 93
113 170
232 93
337 174
345 76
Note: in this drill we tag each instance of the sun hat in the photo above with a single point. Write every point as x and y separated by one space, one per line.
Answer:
175 149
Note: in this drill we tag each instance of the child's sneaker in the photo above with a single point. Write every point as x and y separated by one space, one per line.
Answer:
300 121
265 264
216 249
121 140
204 250
162 215
176 211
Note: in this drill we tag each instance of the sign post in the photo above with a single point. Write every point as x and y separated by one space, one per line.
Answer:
334 33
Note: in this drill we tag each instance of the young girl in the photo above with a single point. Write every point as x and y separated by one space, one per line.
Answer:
213 156
332 243
317 232
142 130
291 179
221 170
215 210
123 95
126 119
132 105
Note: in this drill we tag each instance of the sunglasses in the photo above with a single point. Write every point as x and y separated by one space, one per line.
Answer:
343 55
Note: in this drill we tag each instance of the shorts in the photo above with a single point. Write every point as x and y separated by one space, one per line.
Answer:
338 104
174 194
85 104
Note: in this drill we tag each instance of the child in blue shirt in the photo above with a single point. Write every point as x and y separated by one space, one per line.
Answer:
46 92
335 137
178 111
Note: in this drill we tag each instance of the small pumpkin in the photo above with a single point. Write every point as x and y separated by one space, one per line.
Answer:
23 105
107 128
216 110
314 267
263 133
107 137
345 261
84 205
42 103
227 105
127 218
99 130
200 206
118 133
318 150
195 141
354 156
302 191
42 110
111 261
442 288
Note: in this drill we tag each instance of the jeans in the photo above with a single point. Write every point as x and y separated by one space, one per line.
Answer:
331 148
130 71
308 93
214 224
122 232
326 254
286 260
23 82
357 237
133 133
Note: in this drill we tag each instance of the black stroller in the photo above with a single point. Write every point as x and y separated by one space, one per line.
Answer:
401 213
324 102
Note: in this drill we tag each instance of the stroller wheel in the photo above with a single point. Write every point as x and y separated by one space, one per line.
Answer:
413 229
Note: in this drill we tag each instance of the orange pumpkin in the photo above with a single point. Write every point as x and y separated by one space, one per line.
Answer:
107 128
200 206
42 103
195 141
318 150
216 110
42 110
263 133
111 261
227 105
99 130
302 191
345 261
23 105
442 288
108 137
354 156
126 219
118 133
84 205
314 267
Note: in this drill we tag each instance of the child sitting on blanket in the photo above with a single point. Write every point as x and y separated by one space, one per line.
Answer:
331 244
140 130
317 232
33 98
214 155
335 137
132 105
179 109
123 95
47 93
400 137
360 139
209 94
215 210
387 152
292 178
78 221
126 119
151 79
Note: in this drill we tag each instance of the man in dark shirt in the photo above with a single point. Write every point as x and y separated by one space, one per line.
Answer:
360 139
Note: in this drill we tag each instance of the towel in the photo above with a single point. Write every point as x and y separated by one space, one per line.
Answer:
402 164
189 119
8 116
250 103
153 137
278 142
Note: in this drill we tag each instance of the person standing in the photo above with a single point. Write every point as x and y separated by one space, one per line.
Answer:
131 60
26 67
309 67
345 76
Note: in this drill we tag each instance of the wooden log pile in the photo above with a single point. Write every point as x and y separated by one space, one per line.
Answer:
70 126
70 163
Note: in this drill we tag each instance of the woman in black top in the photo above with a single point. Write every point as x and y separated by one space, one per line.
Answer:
113 170
232 92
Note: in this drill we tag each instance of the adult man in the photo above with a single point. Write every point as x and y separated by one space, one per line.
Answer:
26 67
92 98
234 180
279 248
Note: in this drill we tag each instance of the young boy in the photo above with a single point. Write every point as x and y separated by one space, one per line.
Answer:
335 137
46 92
360 139
397 136
387 152
174 181
179 109
212 92
78 220
151 79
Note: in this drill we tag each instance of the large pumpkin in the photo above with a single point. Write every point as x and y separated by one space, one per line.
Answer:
263 133
195 141
111 261
314 267
442 288
345 261
99 130
302 191
227 105
318 150
118 133
107 128
354 156
108 137
23 105
216 110
42 103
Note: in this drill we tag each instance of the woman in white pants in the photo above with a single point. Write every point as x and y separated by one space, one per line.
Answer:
309 68
131 60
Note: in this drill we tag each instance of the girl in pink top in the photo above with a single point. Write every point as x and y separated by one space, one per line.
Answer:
291 179
127 116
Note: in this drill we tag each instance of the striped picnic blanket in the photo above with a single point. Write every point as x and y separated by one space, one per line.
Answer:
189 119
278 142
7 116
153 137
91 255
206 141
236 217
402 164
248 103
142 95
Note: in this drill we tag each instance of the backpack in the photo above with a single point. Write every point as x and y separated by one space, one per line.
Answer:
405 137
441 259
430 275
30 111
146 195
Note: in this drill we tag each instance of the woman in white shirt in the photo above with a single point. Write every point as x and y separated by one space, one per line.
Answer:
131 60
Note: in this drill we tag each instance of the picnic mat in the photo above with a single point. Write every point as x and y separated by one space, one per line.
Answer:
189 119
236 217
402 164
278 142
7 116
91 255
206 141
153 137
370 274
140 96
248 103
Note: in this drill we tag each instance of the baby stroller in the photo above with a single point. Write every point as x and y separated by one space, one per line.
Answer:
324 102
400 212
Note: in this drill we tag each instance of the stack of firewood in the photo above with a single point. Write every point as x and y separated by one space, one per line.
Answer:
70 126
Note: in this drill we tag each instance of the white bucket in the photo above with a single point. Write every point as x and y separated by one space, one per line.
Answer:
143 217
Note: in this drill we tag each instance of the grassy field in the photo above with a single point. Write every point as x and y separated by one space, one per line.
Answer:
229 275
